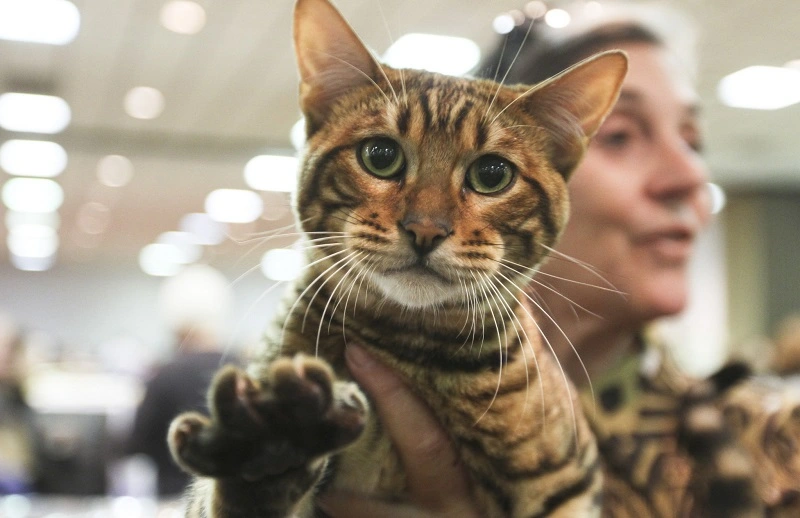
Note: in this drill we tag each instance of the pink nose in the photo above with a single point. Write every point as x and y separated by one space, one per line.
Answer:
426 234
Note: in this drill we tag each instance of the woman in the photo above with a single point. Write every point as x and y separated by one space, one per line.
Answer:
638 202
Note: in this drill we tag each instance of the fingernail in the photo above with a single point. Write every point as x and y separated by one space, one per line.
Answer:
358 358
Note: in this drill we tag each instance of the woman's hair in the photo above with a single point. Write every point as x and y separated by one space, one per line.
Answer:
532 51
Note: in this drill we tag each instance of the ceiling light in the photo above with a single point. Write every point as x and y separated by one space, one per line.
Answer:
535 9
38 158
760 88
272 173
32 264
94 217
206 231
234 205
160 259
32 195
444 54
39 21
144 102
557 18
282 264
190 250
114 171
33 113
183 17
32 240
593 9
14 218
503 24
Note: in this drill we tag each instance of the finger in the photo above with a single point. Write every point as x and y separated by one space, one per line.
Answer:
350 505
434 472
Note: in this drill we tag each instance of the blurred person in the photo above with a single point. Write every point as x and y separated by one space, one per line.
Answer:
638 202
785 359
195 305
17 451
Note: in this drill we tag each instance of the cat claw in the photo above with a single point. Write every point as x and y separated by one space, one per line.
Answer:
292 414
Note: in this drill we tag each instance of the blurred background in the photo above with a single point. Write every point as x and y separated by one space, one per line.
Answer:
138 137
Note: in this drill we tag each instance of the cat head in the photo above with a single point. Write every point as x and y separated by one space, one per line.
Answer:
429 188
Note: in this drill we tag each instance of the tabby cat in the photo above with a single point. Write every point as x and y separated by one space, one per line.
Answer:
428 201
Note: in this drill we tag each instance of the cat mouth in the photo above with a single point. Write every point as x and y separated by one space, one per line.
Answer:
417 271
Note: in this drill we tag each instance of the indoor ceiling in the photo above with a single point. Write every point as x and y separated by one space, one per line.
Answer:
230 94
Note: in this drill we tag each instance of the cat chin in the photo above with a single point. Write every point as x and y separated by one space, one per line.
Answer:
415 293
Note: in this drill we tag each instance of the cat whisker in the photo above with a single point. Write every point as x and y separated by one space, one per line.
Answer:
532 279
307 288
586 266
505 75
493 297
366 75
275 232
331 296
518 326
552 350
362 271
325 275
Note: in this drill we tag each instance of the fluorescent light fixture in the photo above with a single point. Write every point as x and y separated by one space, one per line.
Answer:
282 264
190 250
444 54
33 113
557 18
144 102
114 171
183 17
272 173
160 259
55 22
32 240
760 88
14 218
38 158
32 195
206 231
32 264
234 205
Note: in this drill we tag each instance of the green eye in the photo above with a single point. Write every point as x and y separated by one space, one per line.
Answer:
382 157
490 174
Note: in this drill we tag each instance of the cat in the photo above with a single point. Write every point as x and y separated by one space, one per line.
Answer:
427 201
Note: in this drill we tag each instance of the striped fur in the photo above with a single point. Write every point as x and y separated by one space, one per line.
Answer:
424 271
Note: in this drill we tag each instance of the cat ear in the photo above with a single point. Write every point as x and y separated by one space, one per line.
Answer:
575 102
332 60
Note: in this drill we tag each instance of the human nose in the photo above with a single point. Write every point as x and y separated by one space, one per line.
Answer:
680 175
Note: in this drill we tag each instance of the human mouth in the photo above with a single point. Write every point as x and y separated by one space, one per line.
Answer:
671 246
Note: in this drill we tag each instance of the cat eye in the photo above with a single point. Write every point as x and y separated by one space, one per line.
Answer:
490 174
382 157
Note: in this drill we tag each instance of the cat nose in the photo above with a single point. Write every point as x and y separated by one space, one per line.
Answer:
425 233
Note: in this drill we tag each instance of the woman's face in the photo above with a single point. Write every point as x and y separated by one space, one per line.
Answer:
639 197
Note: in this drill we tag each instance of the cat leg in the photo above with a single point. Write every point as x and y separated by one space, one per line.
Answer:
267 440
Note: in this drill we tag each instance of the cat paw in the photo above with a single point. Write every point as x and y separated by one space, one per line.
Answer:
292 414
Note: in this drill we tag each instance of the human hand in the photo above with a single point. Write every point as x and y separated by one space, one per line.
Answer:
438 483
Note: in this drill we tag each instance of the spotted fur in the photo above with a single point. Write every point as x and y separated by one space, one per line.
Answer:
424 269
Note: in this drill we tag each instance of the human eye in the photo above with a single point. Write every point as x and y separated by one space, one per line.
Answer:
618 133
692 136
